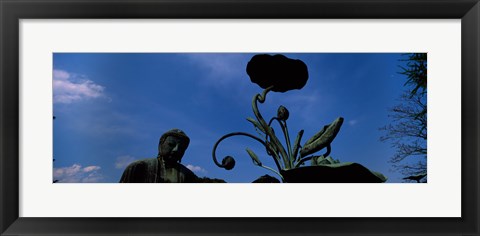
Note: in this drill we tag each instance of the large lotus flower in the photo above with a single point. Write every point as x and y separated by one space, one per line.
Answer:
279 71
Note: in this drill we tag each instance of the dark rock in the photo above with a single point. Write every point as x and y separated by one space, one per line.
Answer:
266 179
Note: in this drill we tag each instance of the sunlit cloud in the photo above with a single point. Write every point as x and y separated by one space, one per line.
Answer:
196 169
77 174
91 168
92 178
123 161
61 75
68 88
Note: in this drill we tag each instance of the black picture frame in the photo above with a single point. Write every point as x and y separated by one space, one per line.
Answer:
12 11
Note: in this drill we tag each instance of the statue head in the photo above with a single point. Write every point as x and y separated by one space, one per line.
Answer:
172 145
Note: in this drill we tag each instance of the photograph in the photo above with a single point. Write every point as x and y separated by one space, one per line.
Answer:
239 117
274 117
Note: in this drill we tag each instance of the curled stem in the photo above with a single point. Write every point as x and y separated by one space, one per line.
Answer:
239 134
268 130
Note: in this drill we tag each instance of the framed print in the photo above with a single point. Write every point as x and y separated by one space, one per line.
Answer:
129 84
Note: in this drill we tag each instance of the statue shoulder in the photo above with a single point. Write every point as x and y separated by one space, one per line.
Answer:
184 169
189 175
143 162
139 171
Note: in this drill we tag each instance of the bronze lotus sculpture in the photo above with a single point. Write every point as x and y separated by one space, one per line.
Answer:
278 73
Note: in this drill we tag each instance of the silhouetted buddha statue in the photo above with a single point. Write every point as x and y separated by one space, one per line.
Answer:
166 168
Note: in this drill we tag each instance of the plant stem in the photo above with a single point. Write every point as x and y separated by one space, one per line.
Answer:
296 146
268 130
283 125
274 171
240 134
287 139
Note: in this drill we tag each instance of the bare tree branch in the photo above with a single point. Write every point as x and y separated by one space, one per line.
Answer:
407 131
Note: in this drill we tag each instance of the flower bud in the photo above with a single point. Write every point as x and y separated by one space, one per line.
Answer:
228 162
282 113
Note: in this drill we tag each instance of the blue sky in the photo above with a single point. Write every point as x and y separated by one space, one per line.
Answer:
111 109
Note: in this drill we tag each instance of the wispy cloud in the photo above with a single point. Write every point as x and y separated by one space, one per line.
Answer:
77 174
352 122
91 168
105 123
303 98
302 105
61 75
92 178
222 69
196 169
68 88
123 161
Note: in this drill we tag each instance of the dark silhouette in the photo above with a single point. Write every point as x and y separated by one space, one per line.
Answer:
416 177
278 71
266 179
209 180
166 168
408 130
